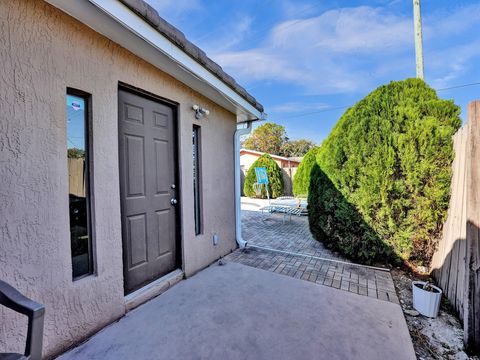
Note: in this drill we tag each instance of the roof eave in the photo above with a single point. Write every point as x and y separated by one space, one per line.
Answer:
260 153
119 23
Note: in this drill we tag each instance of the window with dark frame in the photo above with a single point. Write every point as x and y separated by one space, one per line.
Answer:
197 198
78 155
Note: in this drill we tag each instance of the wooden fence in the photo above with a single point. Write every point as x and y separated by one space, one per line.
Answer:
456 263
448 263
76 177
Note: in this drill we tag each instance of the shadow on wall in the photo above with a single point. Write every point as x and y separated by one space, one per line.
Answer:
459 278
287 182
336 223
450 275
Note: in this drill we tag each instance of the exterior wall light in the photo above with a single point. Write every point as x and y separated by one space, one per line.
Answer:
200 112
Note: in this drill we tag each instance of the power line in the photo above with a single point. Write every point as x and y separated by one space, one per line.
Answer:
71 143
346 107
459 86
316 112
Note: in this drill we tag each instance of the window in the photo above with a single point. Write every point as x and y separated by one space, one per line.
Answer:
197 198
78 155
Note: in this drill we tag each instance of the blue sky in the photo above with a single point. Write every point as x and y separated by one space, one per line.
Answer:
303 60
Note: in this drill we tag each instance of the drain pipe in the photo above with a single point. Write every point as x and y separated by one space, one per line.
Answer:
238 214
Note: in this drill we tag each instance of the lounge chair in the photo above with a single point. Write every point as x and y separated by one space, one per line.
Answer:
288 205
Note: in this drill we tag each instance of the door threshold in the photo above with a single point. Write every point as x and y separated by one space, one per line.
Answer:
155 288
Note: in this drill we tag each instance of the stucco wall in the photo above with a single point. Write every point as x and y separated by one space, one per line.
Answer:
42 52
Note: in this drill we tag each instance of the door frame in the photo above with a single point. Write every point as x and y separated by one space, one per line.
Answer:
178 216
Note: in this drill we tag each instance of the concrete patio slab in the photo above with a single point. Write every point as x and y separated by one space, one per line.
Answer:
239 312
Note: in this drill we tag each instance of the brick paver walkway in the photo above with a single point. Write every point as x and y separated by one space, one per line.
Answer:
268 230
290 249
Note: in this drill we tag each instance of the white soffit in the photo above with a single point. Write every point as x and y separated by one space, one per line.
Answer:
118 23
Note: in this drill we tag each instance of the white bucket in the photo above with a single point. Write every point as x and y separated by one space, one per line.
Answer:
425 302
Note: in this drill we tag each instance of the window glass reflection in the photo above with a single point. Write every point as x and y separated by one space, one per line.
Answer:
196 179
78 172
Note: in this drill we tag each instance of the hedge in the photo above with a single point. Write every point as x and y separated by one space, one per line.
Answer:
389 157
338 225
301 180
275 178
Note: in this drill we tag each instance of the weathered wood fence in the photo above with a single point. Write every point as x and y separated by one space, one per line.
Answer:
456 263
76 177
448 263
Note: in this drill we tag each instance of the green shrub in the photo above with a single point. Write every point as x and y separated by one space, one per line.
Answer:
338 225
275 178
390 158
301 180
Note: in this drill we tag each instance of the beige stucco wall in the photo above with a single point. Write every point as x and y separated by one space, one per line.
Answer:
42 52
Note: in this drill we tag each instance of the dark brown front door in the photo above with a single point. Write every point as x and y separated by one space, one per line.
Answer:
148 188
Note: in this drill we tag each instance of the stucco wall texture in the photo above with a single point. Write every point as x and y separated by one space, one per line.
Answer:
42 52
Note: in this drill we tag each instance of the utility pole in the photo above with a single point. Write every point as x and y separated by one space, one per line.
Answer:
417 20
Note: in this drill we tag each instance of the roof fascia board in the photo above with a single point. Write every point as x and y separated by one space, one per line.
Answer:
127 29
254 152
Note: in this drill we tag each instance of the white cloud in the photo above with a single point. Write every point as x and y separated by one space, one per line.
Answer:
175 10
456 44
453 22
346 30
174 5
295 107
323 54
354 49
297 8
447 65
234 33
260 64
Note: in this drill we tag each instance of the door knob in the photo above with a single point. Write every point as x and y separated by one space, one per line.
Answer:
173 201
